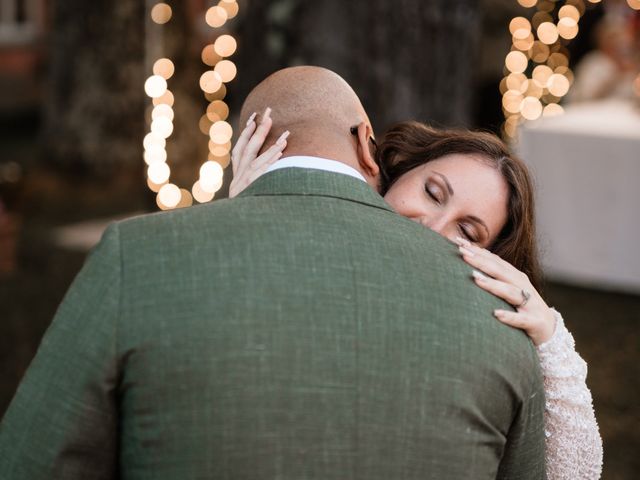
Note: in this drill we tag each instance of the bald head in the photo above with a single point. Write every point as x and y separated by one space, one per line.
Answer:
316 105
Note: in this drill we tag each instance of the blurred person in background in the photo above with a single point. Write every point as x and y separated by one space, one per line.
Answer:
609 71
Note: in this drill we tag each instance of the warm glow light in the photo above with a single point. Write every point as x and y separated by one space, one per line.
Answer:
557 60
226 69
534 89
220 132
217 95
151 140
519 23
527 3
225 45
166 98
154 187
154 154
158 172
635 4
230 6
515 80
569 11
162 127
217 110
200 195
163 67
524 43
211 174
531 108
541 74
547 33
186 200
511 101
219 150
204 124
558 85
216 16
552 110
162 110
155 86
223 160
169 195
516 62
539 52
567 28
210 81
209 55
161 13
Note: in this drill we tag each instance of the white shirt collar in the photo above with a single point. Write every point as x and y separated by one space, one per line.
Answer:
316 163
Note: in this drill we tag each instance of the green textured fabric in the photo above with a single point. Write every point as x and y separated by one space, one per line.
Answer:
300 331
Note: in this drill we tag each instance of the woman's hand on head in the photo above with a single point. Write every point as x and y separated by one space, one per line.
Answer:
505 281
247 165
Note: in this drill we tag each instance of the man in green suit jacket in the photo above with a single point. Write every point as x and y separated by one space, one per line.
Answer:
302 330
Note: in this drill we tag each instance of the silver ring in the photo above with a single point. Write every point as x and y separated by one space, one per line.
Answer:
525 298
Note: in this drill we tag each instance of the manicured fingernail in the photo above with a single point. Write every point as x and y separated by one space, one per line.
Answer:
479 275
463 241
282 138
251 118
498 313
466 251
267 113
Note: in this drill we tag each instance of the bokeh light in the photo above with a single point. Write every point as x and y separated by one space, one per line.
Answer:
547 33
161 13
225 45
226 69
216 16
158 172
169 195
220 132
516 62
155 86
210 81
200 195
163 67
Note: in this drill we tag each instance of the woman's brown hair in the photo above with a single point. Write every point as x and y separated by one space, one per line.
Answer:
408 145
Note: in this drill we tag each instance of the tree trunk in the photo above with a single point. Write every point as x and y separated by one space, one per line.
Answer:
407 59
95 102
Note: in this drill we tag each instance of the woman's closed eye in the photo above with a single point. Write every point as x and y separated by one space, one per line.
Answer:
468 232
435 192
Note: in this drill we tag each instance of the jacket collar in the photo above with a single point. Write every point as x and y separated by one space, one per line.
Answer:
319 183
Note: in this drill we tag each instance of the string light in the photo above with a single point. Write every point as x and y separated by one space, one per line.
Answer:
537 47
213 123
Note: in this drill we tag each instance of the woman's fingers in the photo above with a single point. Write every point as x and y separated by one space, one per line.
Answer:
491 264
241 143
514 319
252 167
271 154
259 136
506 291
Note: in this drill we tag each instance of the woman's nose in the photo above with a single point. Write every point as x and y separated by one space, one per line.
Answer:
441 225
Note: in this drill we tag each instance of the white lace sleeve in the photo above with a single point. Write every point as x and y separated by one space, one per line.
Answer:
573 443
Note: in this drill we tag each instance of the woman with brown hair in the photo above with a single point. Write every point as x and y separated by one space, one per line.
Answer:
467 187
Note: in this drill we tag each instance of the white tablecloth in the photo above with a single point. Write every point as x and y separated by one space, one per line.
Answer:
586 165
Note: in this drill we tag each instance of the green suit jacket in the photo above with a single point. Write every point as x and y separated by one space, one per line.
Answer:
300 331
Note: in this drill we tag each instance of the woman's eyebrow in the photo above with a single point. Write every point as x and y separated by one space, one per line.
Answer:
446 182
480 222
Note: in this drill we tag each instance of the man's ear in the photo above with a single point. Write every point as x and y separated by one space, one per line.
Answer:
366 157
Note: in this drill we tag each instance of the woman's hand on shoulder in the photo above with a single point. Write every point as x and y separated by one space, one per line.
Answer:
247 165
505 281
